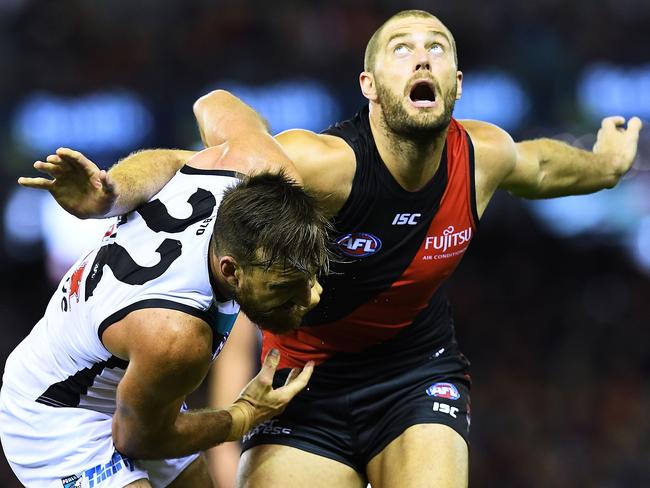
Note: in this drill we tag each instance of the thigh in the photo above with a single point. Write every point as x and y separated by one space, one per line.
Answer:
278 466
189 471
196 475
431 455
433 393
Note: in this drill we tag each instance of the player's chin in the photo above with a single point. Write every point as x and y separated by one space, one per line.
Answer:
282 323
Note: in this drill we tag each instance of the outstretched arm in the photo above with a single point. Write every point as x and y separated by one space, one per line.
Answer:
85 191
547 168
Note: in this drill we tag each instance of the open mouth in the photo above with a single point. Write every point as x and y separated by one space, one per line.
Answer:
423 94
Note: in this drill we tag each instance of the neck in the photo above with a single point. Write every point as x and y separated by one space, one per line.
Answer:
411 161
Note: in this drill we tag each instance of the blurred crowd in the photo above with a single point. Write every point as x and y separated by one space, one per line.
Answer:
557 331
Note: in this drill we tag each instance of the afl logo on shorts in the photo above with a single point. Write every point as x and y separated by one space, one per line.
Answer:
358 244
443 390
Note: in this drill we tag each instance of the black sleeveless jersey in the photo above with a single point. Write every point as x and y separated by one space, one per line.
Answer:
396 249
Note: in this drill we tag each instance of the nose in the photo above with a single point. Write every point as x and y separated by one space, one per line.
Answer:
422 60
309 295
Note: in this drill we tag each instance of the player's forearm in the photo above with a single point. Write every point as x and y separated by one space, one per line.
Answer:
567 170
142 174
221 117
191 432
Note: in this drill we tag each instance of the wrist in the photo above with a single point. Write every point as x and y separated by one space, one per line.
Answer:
242 419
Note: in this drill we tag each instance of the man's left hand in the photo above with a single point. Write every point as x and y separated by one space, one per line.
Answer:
617 143
79 186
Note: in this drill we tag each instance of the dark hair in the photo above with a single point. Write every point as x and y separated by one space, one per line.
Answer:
267 220
373 46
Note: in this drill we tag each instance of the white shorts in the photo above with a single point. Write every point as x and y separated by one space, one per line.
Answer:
72 448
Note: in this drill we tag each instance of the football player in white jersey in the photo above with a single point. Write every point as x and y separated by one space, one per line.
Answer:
94 396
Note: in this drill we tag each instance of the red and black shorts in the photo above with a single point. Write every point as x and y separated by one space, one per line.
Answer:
352 417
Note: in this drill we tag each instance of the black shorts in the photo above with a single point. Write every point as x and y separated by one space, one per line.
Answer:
352 421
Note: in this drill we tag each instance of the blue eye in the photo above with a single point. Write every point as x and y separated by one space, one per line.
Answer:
436 49
401 49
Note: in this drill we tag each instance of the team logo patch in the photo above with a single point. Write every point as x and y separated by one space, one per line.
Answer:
359 244
95 476
443 390
73 481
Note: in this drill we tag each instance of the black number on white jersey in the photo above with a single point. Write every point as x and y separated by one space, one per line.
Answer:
157 217
126 269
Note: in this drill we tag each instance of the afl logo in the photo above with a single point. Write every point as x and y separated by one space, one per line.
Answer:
358 244
443 390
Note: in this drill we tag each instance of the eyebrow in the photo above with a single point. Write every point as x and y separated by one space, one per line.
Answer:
397 35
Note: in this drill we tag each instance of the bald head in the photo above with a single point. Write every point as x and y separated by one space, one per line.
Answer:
375 43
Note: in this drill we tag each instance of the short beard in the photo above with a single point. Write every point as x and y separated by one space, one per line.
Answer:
419 129
276 323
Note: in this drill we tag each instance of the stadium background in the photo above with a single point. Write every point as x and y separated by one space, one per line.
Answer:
552 302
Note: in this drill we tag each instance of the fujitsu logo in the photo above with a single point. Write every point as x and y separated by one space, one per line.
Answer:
449 238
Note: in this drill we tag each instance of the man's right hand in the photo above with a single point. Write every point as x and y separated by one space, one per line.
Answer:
79 186
258 401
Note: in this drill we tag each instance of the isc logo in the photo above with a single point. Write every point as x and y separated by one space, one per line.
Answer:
406 219
444 408
359 244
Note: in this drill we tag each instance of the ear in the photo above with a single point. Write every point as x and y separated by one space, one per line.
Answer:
230 270
368 88
459 84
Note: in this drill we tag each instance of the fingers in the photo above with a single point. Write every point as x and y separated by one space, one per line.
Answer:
36 183
613 122
269 366
296 382
77 159
292 375
52 169
54 159
634 125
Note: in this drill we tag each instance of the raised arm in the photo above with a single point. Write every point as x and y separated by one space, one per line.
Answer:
169 356
221 117
548 168
545 168
85 191
224 119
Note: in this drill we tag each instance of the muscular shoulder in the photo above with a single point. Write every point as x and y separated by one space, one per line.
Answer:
212 158
494 148
326 164
495 156
162 340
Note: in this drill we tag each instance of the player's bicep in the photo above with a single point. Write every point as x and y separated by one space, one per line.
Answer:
169 354
525 175
144 403
497 160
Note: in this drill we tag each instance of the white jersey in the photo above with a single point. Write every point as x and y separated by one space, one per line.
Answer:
153 257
